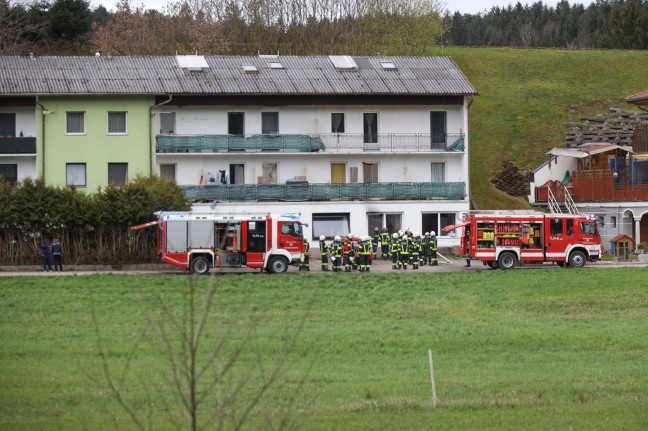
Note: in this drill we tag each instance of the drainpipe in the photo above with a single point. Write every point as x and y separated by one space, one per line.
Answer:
151 167
43 113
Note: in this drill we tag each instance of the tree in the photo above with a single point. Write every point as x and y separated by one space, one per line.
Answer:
16 24
69 21
219 368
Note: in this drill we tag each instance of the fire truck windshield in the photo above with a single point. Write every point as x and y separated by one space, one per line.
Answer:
589 228
292 229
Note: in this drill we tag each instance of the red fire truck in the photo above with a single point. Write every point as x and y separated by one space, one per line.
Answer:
500 239
199 241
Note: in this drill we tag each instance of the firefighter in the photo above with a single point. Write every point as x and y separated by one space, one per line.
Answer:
425 249
304 265
355 248
324 252
415 251
405 252
364 253
384 243
375 240
336 253
434 261
346 252
395 251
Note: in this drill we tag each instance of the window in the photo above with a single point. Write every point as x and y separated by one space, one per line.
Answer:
269 123
116 123
370 128
235 123
167 123
588 228
75 123
570 227
237 173
438 172
436 222
269 171
117 174
291 228
330 225
7 124
353 174
9 172
337 123
168 171
556 227
370 172
613 221
391 221
75 174
438 128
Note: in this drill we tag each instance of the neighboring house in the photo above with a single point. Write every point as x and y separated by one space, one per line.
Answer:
607 177
351 143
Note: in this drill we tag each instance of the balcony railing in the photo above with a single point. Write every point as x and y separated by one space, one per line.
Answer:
300 192
17 145
337 143
596 186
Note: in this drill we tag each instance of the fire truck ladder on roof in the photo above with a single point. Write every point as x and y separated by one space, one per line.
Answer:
557 208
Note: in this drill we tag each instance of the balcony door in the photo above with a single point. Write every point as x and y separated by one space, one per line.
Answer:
338 173
237 173
438 122
236 123
370 120
8 125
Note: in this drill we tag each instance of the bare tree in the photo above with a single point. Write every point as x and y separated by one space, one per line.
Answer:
15 24
220 379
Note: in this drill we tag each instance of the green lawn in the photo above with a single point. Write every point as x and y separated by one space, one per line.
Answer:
527 95
522 349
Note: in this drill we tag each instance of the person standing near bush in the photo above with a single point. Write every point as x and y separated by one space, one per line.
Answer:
45 255
56 253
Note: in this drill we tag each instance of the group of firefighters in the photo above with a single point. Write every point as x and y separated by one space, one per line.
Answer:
350 252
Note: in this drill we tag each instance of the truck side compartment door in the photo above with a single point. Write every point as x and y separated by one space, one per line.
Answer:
255 243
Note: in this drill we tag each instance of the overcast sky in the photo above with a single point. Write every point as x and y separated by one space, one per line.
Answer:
463 6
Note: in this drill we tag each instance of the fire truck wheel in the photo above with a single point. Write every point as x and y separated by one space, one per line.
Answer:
492 264
200 265
506 260
577 259
277 265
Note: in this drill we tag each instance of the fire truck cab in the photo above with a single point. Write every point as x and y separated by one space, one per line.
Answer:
501 240
199 241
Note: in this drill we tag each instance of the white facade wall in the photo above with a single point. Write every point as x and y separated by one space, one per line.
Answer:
25 120
316 167
25 165
410 211
196 120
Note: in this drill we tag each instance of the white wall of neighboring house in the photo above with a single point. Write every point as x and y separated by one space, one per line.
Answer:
554 169
25 119
25 165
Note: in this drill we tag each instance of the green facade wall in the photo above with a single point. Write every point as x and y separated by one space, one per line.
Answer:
96 148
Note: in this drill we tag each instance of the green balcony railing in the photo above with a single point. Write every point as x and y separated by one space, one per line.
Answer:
329 142
300 192
225 143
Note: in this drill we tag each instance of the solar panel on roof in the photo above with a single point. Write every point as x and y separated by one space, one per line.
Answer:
192 62
343 62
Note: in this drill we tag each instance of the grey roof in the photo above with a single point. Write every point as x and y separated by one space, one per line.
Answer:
302 75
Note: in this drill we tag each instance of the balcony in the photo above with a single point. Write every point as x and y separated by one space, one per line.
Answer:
301 192
333 142
595 186
18 145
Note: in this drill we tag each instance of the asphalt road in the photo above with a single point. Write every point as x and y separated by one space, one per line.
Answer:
378 266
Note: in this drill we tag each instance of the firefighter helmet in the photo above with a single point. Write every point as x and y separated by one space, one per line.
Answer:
405 237
432 233
322 237
395 235
337 238
427 234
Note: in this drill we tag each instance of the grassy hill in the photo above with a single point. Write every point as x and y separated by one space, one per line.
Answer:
526 96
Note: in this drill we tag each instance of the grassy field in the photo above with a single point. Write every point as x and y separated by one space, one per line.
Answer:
523 349
527 95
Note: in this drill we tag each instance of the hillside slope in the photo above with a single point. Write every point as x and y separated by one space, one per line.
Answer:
526 96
